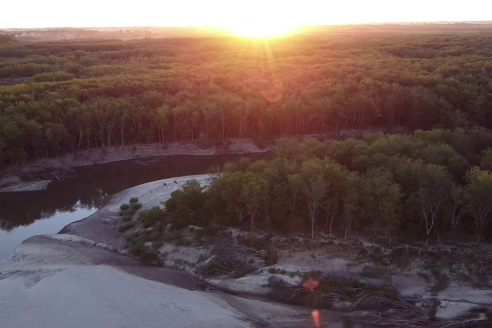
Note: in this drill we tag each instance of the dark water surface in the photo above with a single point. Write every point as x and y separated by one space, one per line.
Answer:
26 214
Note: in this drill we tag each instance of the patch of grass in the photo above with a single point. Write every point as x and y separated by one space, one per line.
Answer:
126 217
226 265
424 276
124 207
332 290
133 200
272 270
182 242
136 206
441 284
202 258
126 226
283 271
151 217
157 244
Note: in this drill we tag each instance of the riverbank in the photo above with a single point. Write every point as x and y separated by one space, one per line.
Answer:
63 281
90 252
445 283
37 175
43 172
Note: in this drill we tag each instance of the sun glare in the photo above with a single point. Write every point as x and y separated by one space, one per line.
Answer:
257 18
268 29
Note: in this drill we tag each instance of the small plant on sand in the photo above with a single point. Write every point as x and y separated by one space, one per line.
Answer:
424 276
133 200
124 207
441 284
126 226
152 217
202 258
157 244
136 206
127 217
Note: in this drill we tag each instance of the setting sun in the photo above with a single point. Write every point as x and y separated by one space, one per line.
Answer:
256 18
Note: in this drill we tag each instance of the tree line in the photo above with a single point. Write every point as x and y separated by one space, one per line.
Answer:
79 95
432 185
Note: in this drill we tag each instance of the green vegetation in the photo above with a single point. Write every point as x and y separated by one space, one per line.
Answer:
413 187
126 226
73 95
136 206
133 200
7 38
332 292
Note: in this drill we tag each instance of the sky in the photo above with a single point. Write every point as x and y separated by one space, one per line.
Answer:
234 13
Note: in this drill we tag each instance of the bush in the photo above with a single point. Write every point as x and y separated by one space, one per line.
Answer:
442 283
126 217
124 207
152 217
145 254
157 244
226 265
133 200
136 206
126 226
187 206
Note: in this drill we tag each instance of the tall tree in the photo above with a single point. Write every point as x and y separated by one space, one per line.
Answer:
478 193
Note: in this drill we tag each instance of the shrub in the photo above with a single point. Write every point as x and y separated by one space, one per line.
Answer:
272 270
126 226
228 265
133 200
441 284
187 206
126 217
124 207
158 244
152 217
202 258
145 254
136 206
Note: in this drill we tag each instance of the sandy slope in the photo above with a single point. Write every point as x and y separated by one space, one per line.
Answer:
67 282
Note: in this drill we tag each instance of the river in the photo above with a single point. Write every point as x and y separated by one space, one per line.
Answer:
26 214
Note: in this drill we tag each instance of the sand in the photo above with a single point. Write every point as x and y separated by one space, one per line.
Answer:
65 281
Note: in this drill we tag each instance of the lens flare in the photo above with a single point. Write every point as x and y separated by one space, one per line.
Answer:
311 284
315 314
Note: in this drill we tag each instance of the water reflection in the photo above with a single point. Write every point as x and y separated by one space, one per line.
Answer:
10 239
77 198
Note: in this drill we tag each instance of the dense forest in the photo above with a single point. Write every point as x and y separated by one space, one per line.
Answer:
432 185
65 96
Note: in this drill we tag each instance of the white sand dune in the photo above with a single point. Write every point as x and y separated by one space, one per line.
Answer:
69 283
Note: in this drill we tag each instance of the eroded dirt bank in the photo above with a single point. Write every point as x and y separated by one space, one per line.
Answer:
68 281
446 286
38 174
42 172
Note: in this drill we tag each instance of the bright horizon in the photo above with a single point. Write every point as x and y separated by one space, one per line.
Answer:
242 16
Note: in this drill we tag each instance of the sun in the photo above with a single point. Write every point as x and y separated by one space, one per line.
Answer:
258 18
